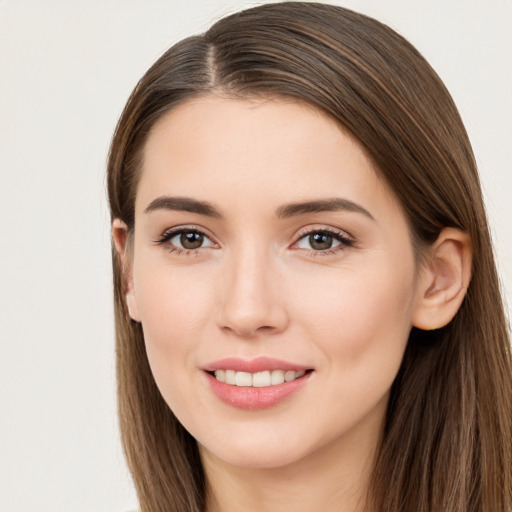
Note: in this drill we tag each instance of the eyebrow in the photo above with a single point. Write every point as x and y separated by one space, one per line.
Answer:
323 205
286 211
184 204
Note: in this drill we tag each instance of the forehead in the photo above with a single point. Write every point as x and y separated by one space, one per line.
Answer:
224 149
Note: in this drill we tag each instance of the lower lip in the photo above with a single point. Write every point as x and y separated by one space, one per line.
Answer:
255 399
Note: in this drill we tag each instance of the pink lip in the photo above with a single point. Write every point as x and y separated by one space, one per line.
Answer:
251 398
255 399
259 364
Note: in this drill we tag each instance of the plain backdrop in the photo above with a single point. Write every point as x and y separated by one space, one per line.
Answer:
66 70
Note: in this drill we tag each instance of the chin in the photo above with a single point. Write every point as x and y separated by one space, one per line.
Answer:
258 460
262 453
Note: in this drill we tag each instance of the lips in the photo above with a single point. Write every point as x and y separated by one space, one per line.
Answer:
255 384
259 364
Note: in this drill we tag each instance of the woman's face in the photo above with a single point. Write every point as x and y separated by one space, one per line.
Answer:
265 244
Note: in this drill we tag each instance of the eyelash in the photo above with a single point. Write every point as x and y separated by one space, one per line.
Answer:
344 241
167 236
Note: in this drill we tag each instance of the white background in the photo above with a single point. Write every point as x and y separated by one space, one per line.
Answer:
66 70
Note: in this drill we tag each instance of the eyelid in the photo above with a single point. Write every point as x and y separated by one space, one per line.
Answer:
346 240
169 233
322 228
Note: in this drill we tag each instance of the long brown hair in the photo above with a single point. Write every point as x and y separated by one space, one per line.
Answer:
447 442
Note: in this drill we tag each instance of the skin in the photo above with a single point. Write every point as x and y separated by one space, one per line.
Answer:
257 287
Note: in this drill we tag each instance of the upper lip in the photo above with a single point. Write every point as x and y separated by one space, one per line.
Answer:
258 364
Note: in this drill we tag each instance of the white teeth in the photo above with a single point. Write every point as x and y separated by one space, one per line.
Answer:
230 376
261 379
243 379
257 380
220 375
289 376
277 377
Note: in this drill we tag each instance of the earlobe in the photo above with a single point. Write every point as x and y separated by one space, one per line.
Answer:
131 304
444 280
120 239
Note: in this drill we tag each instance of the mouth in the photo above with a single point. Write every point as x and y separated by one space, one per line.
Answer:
256 384
265 378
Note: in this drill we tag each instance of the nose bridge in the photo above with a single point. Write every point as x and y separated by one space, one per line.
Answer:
251 302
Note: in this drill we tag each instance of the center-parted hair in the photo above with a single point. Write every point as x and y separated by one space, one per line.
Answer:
447 442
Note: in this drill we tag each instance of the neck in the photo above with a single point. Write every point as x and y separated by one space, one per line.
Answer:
335 478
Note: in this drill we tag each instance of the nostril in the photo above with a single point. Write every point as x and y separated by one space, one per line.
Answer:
246 331
265 328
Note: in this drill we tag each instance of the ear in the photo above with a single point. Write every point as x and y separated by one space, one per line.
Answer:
120 238
444 280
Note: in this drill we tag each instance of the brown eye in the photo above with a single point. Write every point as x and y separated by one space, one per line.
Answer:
185 240
191 240
324 241
320 241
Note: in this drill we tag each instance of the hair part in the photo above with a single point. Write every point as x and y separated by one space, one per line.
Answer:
447 442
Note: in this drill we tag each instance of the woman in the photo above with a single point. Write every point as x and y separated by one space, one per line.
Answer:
308 314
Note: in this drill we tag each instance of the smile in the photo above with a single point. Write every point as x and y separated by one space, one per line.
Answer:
255 384
259 379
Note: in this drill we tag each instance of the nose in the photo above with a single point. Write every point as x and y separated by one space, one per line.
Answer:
252 301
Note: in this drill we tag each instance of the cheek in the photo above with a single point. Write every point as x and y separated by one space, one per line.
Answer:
363 317
172 302
174 311
360 326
